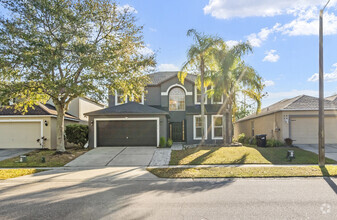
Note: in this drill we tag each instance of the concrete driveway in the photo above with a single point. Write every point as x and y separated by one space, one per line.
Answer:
115 156
9 153
330 149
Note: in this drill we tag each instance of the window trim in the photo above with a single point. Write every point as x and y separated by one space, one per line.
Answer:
195 128
213 137
212 101
116 99
196 95
133 99
184 100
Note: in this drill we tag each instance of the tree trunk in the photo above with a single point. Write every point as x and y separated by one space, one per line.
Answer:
60 128
227 127
202 101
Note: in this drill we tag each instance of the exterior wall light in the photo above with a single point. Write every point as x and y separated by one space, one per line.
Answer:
91 123
45 122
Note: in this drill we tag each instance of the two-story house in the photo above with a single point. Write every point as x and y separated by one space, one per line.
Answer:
167 109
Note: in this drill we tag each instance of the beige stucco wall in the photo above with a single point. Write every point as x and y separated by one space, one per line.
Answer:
269 124
54 130
306 120
86 106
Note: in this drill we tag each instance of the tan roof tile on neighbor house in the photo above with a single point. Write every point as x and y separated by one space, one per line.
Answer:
302 102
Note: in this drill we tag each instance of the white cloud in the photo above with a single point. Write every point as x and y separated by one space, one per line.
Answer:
168 67
226 9
127 8
271 56
146 51
269 83
232 43
329 77
256 39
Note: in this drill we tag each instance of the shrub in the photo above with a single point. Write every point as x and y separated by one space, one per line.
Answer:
162 142
288 141
242 138
77 134
274 143
252 141
169 142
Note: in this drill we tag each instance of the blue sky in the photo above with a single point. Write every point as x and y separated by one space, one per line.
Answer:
284 34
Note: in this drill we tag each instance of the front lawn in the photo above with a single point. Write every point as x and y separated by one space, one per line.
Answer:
242 155
34 158
240 172
12 173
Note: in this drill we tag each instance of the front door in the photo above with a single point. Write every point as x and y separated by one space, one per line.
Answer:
177 131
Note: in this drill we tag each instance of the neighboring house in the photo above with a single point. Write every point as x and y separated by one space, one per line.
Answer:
167 109
295 118
81 105
23 131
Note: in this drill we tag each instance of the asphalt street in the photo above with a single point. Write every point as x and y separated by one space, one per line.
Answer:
133 193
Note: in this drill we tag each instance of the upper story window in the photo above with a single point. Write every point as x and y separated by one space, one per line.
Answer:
197 95
217 98
119 98
138 99
177 99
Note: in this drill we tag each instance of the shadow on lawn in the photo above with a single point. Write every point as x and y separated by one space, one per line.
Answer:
328 180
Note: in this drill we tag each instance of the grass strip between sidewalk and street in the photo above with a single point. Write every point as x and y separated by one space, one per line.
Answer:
12 173
245 172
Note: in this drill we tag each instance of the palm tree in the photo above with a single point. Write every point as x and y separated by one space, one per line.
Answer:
232 76
198 57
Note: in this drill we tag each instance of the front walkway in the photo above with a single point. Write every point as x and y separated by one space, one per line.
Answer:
330 149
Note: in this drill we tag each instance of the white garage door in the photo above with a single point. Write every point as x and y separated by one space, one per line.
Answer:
19 134
304 130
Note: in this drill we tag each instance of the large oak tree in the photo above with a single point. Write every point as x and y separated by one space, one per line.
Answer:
62 49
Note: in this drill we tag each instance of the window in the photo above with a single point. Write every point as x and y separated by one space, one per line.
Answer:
217 98
119 99
177 100
217 126
197 96
198 126
138 99
253 133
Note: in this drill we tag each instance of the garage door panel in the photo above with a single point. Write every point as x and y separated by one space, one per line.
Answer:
127 133
19 134
304 130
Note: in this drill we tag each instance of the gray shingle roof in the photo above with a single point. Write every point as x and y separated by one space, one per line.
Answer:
332 98
160 77
129 108
40 109
302 102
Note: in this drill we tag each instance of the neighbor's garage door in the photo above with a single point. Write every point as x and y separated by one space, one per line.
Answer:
19 134
304 130
127 133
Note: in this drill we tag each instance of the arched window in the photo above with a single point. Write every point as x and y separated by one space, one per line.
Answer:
177 99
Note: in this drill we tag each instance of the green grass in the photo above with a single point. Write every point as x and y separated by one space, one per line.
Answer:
34 158
12 173
245 172
242 155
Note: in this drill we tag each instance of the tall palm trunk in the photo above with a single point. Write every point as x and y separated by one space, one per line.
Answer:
202 101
